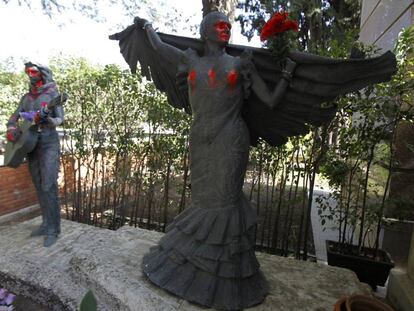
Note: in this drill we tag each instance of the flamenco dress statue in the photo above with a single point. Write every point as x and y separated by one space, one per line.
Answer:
235 94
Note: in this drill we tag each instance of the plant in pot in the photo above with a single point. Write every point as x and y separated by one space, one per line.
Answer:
358 167
359 190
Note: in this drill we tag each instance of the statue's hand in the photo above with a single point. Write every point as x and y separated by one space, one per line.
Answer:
27 115
289 68
41 115
141 22
13 134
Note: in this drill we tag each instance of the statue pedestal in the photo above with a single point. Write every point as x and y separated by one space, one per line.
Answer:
401 284
108 262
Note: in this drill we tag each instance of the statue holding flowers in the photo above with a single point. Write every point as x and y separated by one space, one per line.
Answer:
236 95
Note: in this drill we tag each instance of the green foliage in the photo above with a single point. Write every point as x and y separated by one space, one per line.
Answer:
126 135
13 86
114 103
402 84
360 164
359 161
88 302
282 45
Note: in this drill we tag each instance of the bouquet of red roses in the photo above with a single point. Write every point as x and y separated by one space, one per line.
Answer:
279 34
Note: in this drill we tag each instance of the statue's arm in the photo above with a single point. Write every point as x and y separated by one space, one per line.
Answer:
57 117
166 51
272 97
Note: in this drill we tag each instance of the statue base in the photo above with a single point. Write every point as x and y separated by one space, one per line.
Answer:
109 263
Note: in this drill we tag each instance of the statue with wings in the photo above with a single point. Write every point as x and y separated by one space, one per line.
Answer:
236 94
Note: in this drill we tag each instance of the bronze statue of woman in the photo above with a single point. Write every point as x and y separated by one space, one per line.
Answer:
236 94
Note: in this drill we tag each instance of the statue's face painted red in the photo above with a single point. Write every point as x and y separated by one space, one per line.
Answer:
223 31
215 27
35 76
33 72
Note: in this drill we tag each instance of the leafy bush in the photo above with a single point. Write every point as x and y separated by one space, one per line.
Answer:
359 166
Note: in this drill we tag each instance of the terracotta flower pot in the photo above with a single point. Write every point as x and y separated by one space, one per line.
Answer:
340 305
361 303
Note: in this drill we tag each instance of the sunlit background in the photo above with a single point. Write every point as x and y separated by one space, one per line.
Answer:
29 34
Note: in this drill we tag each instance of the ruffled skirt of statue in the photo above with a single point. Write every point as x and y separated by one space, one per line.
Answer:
207 257
207 254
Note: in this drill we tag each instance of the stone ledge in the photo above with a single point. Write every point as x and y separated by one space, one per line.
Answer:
42 284
108 262
14 216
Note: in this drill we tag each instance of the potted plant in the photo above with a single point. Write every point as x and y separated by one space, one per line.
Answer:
352 169
358 167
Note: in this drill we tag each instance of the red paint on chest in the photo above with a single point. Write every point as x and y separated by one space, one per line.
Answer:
212 78
191 78
192 75
232 78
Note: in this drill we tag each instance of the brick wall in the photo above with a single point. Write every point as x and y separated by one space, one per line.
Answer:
16 189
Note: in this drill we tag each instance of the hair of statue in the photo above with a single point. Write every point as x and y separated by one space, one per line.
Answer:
210 20
30 64
47 75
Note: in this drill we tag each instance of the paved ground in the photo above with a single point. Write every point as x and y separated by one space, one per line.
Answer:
108 262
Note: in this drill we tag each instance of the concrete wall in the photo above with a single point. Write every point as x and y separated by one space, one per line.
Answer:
382 20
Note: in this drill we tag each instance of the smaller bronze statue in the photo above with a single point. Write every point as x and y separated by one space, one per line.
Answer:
236 94
40 111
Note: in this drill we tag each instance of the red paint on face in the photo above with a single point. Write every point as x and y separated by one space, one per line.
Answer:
212 78
223 31
33 72
191 78
232 78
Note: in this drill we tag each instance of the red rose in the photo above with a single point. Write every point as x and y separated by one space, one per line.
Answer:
290 25
278 23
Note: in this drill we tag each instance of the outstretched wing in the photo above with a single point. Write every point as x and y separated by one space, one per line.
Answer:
135 47
316 80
